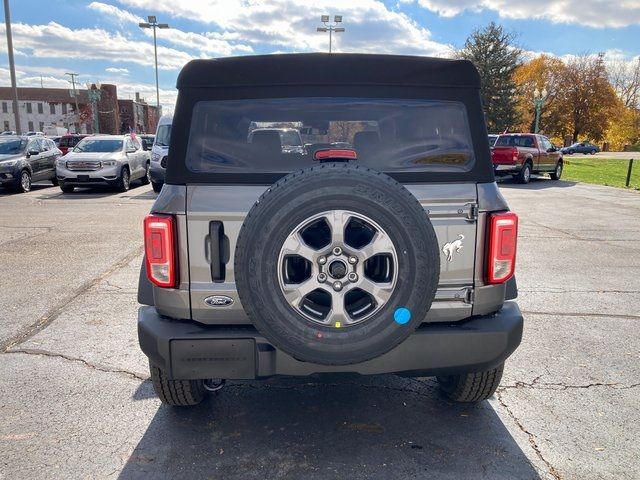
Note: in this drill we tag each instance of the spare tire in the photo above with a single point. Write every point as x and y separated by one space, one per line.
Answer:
337 264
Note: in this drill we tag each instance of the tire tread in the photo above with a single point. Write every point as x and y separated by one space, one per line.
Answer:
177 393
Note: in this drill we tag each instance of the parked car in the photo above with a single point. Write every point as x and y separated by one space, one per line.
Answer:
113 160
288 140
147 141
581 147
522 154
160 152
396 255
8 132
24 160
67 142
31 133
56 139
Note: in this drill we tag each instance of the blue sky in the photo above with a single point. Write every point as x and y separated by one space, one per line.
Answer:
100 40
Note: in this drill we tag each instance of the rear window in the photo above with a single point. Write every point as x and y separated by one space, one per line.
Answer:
515 141
281 135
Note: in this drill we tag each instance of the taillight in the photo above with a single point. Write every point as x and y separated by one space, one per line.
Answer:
514 154
159 248
503 237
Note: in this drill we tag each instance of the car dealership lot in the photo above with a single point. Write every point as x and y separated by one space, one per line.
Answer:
75 401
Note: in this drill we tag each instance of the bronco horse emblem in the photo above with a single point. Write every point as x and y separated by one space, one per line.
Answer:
450 247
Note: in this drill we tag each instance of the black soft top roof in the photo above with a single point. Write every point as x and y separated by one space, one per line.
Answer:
328 69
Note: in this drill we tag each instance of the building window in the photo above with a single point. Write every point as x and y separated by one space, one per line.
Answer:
64 108
4 107
41 129
29 110
30 125
52 108
40 109
6 126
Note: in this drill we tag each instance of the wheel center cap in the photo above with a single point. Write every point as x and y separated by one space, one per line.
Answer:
337 269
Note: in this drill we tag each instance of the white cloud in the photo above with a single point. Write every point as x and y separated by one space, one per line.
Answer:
121 71
208 43
114 13
57 41
291 24
593 13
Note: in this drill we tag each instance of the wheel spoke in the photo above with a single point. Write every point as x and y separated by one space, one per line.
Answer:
295 292
294 245
380 244
381 292
338 220
338 314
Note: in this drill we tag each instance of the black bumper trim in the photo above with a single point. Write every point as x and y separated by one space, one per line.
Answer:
188 350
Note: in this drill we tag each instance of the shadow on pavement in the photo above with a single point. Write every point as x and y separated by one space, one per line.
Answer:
536 183
329 427
89 193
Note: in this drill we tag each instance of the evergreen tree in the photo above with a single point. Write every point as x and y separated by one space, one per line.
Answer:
496 57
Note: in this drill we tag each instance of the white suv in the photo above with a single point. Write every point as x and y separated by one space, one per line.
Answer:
113 160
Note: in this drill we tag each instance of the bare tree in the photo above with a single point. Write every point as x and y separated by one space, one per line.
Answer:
624 76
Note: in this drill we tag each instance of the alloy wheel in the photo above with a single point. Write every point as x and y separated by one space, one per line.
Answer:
337 268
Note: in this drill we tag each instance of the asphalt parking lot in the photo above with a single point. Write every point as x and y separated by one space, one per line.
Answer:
75 401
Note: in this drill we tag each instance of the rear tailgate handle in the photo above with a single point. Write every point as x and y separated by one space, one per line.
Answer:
217 245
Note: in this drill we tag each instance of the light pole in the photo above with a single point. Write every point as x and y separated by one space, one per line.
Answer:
12 66
94 93
330 27
538 101
152 22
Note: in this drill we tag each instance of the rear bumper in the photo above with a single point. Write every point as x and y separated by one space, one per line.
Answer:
506 169
189 350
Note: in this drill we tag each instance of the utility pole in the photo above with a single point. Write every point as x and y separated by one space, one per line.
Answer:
152 22
75 97
12 66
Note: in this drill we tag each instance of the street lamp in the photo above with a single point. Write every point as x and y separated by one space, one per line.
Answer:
538 101
94 93
12 66
152 22
330 27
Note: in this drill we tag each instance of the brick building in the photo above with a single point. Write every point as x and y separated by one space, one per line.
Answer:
137 115
43 107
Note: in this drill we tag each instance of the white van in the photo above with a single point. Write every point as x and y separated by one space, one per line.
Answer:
159 152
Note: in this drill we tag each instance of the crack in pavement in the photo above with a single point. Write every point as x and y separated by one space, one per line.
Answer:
49 316
532 437
563 386
583 314
92 365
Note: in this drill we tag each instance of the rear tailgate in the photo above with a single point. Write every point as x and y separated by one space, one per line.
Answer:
504 155
214 222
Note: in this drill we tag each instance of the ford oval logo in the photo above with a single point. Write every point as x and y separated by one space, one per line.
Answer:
218 301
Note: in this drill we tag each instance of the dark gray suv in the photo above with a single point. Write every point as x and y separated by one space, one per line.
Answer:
381 246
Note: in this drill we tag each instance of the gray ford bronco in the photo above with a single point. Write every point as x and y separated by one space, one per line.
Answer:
380 245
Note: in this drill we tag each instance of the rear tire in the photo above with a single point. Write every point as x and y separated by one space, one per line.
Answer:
177 393
593 152
557 173
54 181
524 176
156 186
471 387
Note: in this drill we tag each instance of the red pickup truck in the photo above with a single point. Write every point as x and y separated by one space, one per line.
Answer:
521 154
